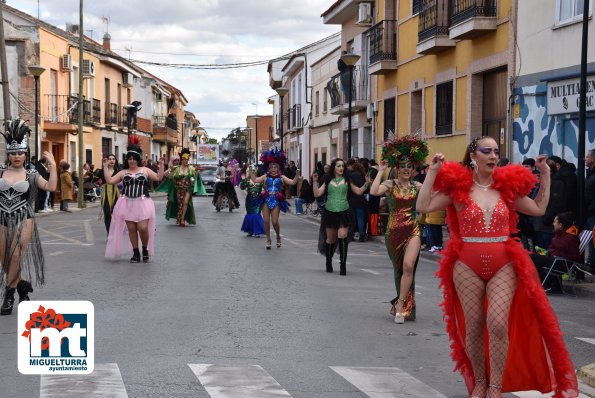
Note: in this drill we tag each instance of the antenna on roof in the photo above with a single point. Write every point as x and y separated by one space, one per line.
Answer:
106 20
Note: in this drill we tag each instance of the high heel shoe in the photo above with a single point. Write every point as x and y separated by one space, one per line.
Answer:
480 384
399 317
135 256
494 391
278 241
145 255
8 302
268 244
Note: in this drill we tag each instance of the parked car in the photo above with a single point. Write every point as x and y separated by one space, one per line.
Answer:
207 173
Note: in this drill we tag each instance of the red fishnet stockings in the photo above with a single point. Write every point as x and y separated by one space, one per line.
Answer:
472 291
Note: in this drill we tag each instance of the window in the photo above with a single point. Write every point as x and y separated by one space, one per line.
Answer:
568 11
389 117
416 111
317 103
418 6
325 100
444 108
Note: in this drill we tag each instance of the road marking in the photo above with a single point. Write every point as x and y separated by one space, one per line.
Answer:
370 271
537 394
246 381
586 340
55 253
89 237
105 381
386 382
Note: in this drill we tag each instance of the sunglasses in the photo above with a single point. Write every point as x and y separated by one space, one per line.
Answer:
486 150
407 165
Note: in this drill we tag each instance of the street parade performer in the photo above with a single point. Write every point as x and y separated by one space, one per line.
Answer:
489 283
134 211
272 200
253 223
109 192
182 182
20 247
337 216
402 238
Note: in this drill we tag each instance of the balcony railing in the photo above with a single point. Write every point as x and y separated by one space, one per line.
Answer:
111 114
463 10
338 87
383 41
64 109
165 121
96 111
294 115
433 19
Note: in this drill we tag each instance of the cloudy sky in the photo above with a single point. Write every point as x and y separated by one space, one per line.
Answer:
200 32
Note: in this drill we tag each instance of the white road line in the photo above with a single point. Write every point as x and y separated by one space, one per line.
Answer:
586 340
55 253
370 271
105 381
89 237
537 394
237 381
386 382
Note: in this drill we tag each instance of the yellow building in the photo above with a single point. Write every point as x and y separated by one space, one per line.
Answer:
440 68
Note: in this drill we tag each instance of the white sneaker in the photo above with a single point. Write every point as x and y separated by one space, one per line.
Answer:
44 211
399 318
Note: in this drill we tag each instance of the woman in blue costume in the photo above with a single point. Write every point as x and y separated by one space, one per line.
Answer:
253 223
182 183
272 200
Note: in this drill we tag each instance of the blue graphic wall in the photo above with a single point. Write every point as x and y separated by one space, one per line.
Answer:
535 132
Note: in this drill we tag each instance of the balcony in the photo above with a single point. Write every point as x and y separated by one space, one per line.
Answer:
62 112
294 118
382 39
111 114
472 18
338 88
165 130
433 26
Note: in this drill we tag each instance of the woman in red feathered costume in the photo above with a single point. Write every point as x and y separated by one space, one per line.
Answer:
504 334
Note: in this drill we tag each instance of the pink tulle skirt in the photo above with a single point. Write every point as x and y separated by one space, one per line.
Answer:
134 210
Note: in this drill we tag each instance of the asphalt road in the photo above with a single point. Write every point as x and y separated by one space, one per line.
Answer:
214 314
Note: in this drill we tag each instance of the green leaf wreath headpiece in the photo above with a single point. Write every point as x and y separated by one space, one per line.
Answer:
402 149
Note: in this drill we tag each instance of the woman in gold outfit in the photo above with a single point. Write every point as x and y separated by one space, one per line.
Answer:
402 236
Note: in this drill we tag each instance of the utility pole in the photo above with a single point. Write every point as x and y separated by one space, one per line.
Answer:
81 197
4 67
582 115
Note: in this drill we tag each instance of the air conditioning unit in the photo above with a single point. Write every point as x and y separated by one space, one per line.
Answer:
88 68
127 79
364 14
66 64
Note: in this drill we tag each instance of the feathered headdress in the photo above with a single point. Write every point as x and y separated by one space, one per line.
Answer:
405 149
272 156
16 135
133 147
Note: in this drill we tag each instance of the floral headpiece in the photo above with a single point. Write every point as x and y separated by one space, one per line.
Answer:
185 153
404 149
17 136
272 156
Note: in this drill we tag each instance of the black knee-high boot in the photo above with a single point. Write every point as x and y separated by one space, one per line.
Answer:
330 251
8 301
343 243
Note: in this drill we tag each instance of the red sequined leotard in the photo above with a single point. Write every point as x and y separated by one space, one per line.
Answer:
484 234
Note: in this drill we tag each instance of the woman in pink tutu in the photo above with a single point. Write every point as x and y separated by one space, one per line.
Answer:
135 211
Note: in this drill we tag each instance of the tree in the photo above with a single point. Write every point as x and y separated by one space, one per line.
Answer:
212 141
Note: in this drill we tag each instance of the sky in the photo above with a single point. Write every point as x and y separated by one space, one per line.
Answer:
200 32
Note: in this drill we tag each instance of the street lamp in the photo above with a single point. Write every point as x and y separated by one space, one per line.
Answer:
281 92
36 71
350 60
